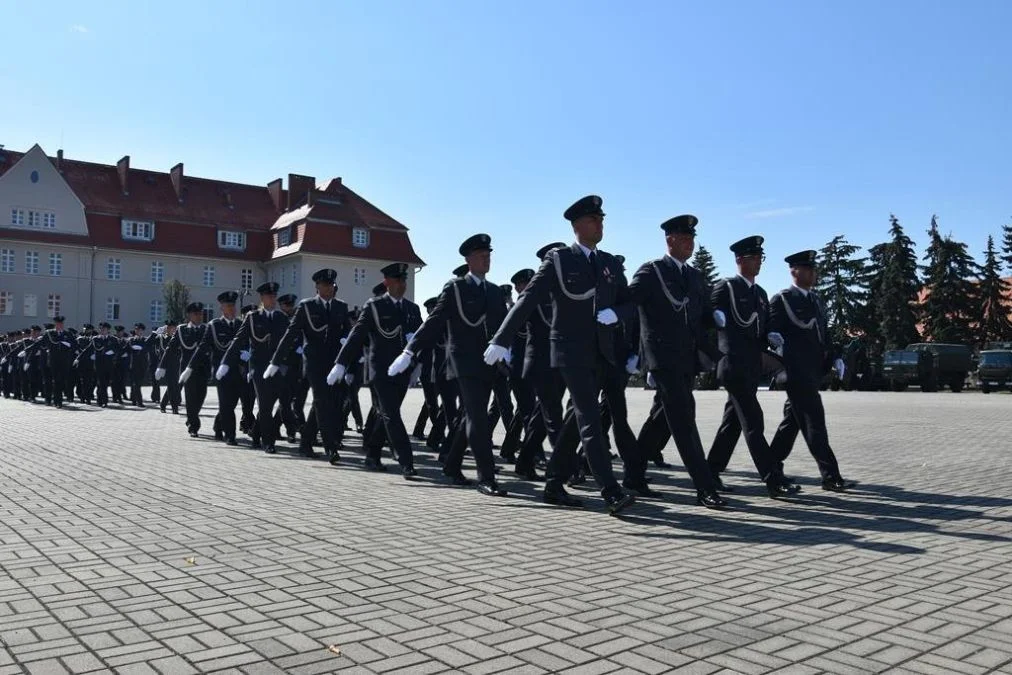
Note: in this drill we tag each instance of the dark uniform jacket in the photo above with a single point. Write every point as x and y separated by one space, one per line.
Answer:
577 292
260 334
182 347
674 308
215 341
105 349
386 329
537 355
801 320
321 330
743 339
57 347
468 315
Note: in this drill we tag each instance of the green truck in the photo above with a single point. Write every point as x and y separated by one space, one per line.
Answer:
994 370
929 365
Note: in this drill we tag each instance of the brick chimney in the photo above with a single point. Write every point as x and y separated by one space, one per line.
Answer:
176 174
123 169
59 160
274 190
299 189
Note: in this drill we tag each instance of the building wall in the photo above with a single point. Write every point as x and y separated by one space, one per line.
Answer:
34 184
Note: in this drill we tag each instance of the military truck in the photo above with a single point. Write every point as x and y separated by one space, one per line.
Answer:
902 368
994 370
952 363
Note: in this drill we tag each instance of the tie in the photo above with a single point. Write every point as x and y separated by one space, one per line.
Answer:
592 258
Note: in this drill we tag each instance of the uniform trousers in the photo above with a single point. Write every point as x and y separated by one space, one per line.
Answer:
803 411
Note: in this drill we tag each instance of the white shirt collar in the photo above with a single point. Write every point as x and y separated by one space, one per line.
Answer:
681 265
396 301
803 291
748 283
586 251
477 281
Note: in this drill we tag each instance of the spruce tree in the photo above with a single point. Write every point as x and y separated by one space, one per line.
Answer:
1006 247
993 323
841 286
703 262
895 294
950 307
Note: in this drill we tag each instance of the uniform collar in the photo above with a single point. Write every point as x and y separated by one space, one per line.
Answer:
393 299
800 290
586 251
748 283
678 263
477 281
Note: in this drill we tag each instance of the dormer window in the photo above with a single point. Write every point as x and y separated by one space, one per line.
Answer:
138 230
232 240
360 237
284 237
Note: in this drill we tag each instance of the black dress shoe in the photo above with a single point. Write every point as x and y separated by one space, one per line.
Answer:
778 489
459 479
719 485
256 445
334 457
270 450
559 497
618 502
529 474
307 452
487 487
660 463
231 441
579 478
292 438
710 499
193 434
219 436
836 484
162 408
508 456
175 411
374 465
642 489
408 472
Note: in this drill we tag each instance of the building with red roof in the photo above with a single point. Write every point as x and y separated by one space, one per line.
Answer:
98 242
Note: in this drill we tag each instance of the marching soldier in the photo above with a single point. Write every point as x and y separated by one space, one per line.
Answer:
293 387
58 346
121 365
102 349
470 310
388 323
673 306
523 391
321 322
430 409
182 347
172 396
247 392
741 313
797 314
139 347
215 340
589 296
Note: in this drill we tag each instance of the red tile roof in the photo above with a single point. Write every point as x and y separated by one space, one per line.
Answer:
190 225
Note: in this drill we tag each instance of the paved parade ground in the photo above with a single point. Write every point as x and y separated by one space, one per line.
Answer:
127 546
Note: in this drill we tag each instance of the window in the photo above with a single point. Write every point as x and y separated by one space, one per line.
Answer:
112 309
113 268
157 272
284 237
246 279
157 313
31 262
228 239
208 275
55 264
141 230
208 314
52 305
360 237
49 220
7 260
295 275
31 304
359 276
33 218
17 217
6 303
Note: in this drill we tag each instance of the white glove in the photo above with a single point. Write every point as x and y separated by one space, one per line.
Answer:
25 368
3 361
249 376
633 364
775 339
407 338
299 351
840 367
607 317
344 341
349 378
400 364
271 371
136 348
495 353
221 372
21 354
77 362
244 355
92 357
185 375
719 318
509 356
651 382
64 343
416 374
335 374
109 352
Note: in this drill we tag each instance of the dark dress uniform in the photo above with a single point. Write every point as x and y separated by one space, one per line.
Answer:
105 350
468 312
387 324
583 288
321 324
799 317
179 353
742 341
58 346
140 349
260 334
215 341
430 409
172 396
674 304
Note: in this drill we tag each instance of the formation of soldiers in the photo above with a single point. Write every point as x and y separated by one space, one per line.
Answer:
577 326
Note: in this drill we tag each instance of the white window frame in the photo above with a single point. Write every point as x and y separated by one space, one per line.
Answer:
6 303
138 230
284 237
113 310
56 264
113 269
246 279
360 276
238 242
7 260
156 311
360 237
48 220
34 219
31 304
209 274
17 216
295 276
31 262
53 303
157 272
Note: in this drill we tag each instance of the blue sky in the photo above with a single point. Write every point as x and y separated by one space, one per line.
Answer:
795 120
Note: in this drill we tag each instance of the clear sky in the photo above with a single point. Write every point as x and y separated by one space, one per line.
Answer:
794 120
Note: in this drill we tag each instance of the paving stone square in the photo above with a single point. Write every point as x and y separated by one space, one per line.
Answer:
128 547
